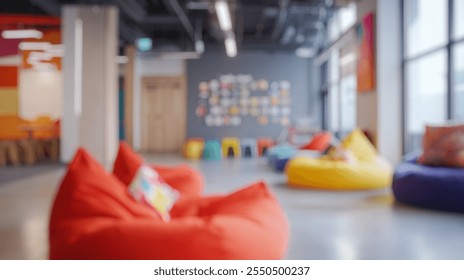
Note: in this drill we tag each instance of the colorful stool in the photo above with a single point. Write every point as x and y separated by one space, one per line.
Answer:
231 147
193 148
264 144
212 150
249 148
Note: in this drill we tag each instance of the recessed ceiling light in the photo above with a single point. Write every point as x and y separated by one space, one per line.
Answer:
28 46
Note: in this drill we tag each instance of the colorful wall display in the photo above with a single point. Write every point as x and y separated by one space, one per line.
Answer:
231 99
366 54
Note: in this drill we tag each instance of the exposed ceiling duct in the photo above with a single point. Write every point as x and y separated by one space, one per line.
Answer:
192 24
138 14
281 19
51 7
174 6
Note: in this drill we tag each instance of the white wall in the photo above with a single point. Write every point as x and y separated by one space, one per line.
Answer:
40 93
145 67
366 104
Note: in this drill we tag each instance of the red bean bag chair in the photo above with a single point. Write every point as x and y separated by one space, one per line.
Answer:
183 178
320 142
94 217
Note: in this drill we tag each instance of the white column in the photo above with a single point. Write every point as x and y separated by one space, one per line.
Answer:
388 50
90 116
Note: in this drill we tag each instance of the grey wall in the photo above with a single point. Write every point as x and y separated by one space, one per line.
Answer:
270 66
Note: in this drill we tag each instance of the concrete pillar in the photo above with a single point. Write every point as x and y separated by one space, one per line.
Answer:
90 98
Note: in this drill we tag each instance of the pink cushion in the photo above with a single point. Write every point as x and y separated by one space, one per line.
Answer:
443 146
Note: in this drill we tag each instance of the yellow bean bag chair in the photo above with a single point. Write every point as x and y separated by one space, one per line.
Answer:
368 171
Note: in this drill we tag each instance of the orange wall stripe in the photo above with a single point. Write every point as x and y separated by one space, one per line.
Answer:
8 76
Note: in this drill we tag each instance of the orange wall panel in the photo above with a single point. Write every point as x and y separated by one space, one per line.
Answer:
8 101
8 76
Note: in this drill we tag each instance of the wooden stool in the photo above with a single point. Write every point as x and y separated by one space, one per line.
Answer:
55 149
12 152
2 154
27 149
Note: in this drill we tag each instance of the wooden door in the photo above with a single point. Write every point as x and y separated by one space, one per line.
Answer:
164 112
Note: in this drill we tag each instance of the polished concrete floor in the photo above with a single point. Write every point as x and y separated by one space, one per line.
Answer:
324 224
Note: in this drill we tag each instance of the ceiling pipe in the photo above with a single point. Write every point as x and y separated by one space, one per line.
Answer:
126 32
198 6
174 6
288 35
159 20
239 24
199 44
51 7
135 11
132 8
281 19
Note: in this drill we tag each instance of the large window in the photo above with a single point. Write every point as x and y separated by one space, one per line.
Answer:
426 99
348 104
342 92
341 97
425 22
334 108
333 92
458 87
458 19
342 20
347 17
458 60
434 65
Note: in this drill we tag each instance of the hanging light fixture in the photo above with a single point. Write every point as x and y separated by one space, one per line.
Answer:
22 34
225 22
223 14
231 46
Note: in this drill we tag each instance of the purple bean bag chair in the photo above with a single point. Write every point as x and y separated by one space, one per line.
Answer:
439 188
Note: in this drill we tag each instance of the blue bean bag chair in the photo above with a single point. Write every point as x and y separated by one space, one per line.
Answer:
278 156
439 188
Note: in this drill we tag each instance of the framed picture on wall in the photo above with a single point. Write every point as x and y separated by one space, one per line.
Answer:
366 54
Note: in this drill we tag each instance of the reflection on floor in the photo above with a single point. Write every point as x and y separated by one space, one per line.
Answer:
324 225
